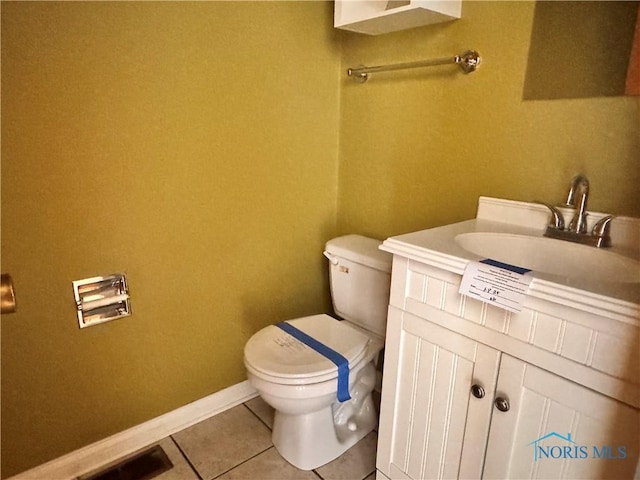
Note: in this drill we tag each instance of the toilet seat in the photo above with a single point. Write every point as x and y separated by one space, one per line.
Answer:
276 356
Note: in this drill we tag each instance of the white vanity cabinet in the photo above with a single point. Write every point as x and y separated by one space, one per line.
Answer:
604 431
473 391
429 418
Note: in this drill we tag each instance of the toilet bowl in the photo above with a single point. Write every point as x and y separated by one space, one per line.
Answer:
311 425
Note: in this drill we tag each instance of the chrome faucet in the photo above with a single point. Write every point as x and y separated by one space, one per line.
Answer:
577 229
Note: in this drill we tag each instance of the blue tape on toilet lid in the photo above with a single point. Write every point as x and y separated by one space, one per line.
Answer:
276 356
340 361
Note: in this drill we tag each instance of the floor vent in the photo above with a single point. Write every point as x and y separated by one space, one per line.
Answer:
142 466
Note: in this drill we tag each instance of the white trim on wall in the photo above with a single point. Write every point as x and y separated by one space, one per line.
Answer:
128 441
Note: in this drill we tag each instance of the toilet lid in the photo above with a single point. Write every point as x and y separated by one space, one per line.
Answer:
274 352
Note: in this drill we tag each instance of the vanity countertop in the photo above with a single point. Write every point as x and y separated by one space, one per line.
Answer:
605 294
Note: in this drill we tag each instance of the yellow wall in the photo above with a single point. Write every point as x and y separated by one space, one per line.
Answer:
191 145
195 146
418 147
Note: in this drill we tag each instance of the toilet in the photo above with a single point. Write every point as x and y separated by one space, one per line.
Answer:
300 367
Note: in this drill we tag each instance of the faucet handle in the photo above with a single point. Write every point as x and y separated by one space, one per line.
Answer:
602 230
556 220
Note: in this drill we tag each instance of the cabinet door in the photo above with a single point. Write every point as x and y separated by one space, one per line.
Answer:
431 426
554 428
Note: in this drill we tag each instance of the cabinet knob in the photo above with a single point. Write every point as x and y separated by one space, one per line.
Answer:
502 404
477 391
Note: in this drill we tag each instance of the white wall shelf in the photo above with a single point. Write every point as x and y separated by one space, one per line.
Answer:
375 17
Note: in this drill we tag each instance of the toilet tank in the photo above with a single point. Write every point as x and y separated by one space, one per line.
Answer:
360 277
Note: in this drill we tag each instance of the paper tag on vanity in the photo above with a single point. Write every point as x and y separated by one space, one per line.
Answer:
496 283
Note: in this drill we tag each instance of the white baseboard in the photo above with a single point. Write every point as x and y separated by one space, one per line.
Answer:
124 443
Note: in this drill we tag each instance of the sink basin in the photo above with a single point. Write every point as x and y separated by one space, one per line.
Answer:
550 256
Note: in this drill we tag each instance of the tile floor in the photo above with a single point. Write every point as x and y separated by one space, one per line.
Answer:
236 444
